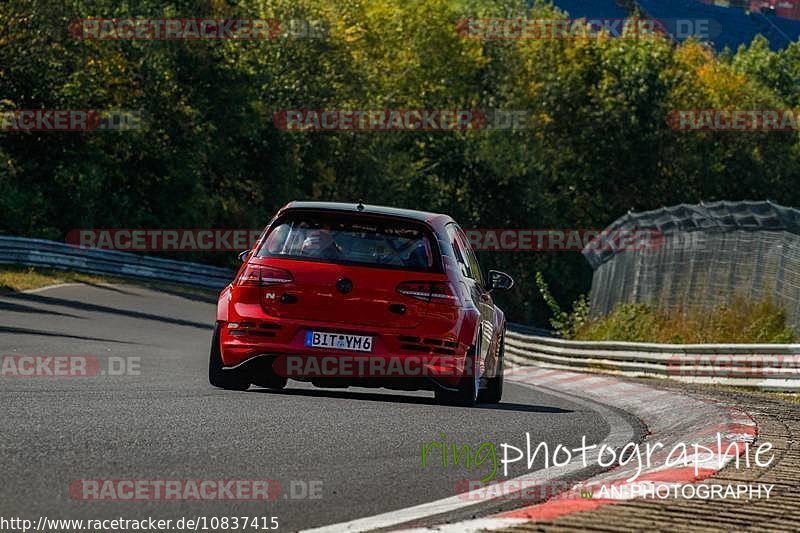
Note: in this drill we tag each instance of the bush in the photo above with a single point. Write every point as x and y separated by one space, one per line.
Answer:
741 321
565 324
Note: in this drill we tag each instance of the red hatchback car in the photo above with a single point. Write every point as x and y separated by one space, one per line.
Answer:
352 295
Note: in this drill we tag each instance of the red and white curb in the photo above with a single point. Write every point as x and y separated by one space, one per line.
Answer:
671 418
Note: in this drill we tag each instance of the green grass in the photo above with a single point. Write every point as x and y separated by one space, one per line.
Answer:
741 321
21 278
788 397
16 279
791 397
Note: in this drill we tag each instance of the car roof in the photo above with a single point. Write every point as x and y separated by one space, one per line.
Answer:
421 216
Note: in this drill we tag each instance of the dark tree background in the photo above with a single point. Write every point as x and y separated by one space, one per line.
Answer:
209 154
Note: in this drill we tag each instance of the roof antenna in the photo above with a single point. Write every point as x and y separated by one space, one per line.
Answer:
360 205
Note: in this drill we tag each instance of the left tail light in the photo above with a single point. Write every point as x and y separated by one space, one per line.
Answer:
264 275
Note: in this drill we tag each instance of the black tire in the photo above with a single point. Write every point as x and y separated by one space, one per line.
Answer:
217 375
263 375
493 392
468 386
271 382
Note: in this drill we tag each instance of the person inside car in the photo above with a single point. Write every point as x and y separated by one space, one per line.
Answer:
319 244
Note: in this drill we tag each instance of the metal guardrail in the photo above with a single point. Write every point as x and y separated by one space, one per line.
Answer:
51 254
763 366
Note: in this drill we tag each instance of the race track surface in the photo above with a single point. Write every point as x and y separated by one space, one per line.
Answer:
362 447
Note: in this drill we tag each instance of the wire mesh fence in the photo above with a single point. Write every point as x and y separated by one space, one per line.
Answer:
708 255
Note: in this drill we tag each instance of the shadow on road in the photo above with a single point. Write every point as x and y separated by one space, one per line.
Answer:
403 398
39 332
84 306
194 294
19 308
108 287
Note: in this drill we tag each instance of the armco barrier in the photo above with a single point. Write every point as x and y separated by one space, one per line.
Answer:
763 366
51 254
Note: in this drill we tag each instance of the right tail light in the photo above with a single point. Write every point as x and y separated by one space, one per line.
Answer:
429 291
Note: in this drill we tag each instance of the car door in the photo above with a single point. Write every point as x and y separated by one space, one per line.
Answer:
481 297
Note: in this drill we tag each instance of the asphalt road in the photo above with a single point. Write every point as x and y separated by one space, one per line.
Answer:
359 448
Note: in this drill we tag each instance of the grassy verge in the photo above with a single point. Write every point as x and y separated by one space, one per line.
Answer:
742 321
21 278
788 397
17 278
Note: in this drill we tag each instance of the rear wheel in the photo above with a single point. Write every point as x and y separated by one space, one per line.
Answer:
494 385
467 393
217 375
264 376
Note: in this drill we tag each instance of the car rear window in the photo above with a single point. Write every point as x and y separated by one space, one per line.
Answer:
362 240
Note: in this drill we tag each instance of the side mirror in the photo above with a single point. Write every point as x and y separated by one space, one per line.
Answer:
500 280
243 255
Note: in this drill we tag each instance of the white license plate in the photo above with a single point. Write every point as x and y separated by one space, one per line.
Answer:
339 341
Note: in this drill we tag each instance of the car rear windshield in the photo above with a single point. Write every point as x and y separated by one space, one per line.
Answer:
362 240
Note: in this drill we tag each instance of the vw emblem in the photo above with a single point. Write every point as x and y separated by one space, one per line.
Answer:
344 285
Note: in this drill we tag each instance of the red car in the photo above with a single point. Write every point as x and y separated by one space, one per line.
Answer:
352 295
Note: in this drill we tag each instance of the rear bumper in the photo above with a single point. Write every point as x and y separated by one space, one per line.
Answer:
400 358
325 372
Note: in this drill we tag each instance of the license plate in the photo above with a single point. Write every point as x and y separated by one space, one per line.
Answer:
339 341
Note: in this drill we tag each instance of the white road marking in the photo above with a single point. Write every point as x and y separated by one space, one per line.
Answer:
48 287
470 526
621 433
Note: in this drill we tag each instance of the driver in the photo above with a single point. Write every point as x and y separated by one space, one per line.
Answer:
319 243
